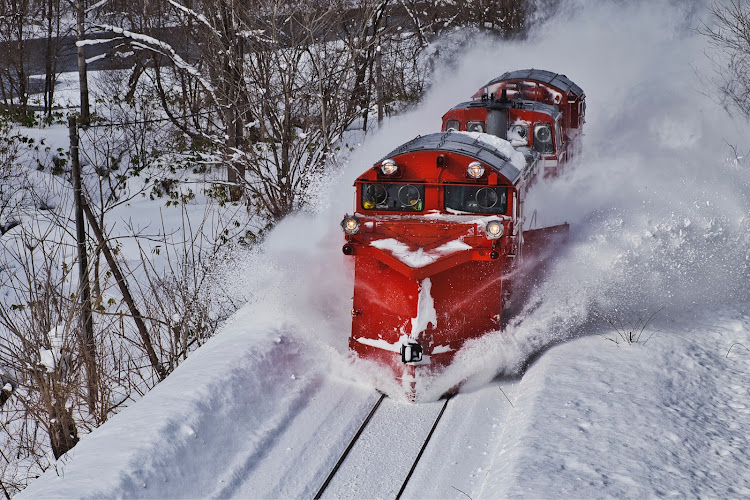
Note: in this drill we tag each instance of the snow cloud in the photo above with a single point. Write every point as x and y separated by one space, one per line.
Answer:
658 207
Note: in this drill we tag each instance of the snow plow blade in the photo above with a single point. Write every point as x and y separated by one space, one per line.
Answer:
539 244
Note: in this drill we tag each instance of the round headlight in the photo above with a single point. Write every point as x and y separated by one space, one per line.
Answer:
543 133
475 170
350 224
494 229
388 167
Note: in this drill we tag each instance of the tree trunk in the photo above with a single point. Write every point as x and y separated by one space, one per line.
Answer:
235 170
379 82
148 345
63 433
22 89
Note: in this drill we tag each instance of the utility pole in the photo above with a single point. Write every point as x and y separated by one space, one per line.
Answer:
88 346
379 82
83 81
86 335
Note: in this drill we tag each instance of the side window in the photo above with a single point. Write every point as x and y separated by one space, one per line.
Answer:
397 197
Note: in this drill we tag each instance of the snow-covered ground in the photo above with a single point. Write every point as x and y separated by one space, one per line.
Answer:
660 218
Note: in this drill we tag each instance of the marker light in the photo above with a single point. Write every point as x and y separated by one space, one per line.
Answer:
475 170
350 224
476 127
453 125
520 131
388 167
494 229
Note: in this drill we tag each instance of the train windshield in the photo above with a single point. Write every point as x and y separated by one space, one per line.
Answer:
477 199
397 197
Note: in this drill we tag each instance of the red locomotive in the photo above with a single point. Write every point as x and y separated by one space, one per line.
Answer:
438 228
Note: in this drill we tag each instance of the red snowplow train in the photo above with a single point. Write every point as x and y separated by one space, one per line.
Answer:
438 224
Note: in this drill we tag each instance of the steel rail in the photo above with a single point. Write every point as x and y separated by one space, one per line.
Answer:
348 448
424 446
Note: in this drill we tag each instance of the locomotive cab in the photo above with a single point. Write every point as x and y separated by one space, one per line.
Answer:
531 128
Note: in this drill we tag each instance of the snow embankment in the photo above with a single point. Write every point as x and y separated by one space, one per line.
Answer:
227 399
664 418
248 416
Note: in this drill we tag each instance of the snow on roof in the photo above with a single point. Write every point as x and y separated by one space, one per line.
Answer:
483 147
516 157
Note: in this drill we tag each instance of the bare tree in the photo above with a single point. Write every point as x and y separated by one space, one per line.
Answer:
38 344
270 87
52 15
507 18
9 174
14 30
180 293
83 80
730 35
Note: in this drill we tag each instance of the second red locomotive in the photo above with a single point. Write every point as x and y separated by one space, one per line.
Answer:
537 111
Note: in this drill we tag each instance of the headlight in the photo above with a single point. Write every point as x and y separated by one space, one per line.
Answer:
543 133
453 125
475 170
388 167
543 138
494 229
476 127
350 224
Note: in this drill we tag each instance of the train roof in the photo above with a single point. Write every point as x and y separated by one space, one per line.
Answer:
558 81
470 145
549 109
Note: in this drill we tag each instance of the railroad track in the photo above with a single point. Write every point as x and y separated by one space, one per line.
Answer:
385 451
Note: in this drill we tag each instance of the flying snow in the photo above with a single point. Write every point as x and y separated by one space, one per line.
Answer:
654 157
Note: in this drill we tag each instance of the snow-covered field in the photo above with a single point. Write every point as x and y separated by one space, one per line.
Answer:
552 407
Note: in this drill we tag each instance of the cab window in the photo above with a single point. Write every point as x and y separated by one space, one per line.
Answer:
477 199
397 197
